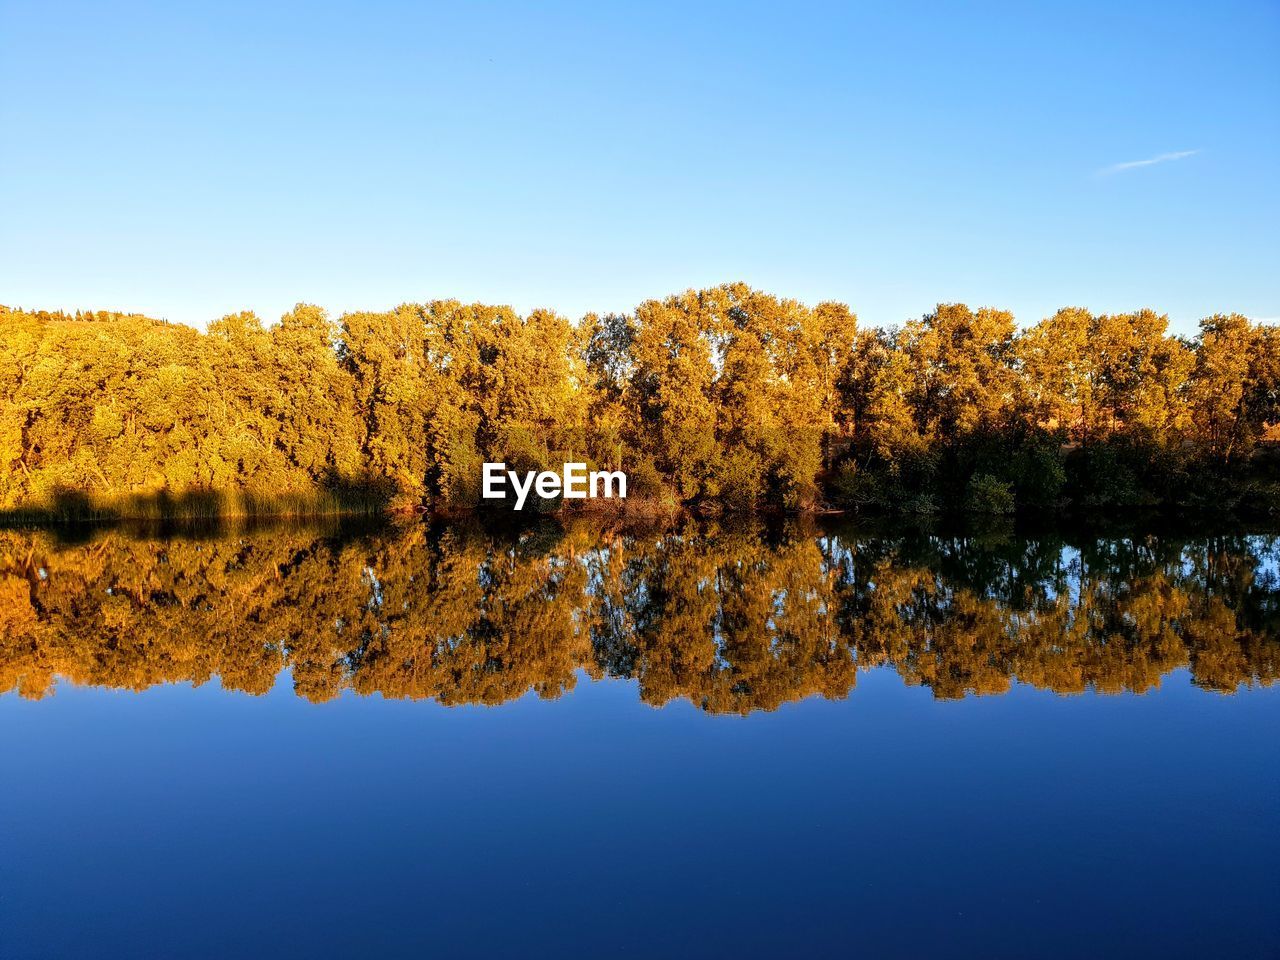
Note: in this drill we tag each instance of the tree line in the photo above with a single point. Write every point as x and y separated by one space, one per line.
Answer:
727 398
728 617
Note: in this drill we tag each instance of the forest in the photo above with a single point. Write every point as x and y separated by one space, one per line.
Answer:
721 400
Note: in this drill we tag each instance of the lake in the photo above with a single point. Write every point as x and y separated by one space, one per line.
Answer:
713 739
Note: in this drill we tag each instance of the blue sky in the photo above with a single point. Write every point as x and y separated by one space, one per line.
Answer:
190 160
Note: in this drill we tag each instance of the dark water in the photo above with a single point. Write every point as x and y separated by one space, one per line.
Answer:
729 741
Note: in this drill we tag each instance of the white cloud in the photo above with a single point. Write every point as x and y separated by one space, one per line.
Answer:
1151 162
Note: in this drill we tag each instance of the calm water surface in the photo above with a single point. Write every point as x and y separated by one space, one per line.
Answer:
707 741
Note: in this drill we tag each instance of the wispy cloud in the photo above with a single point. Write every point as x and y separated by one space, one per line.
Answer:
1150 162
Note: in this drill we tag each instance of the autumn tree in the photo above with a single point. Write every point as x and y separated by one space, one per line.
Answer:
1220 387
958 367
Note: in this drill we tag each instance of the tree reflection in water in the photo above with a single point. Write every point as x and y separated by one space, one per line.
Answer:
731 618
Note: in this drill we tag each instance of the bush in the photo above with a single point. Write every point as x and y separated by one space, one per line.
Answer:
1107 475
741 477
922 505
855 489
988 494
1041 476
644 482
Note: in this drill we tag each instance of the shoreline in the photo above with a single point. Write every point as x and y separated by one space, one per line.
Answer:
647 513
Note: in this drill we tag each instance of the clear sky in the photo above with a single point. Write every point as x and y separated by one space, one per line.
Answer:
187 160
